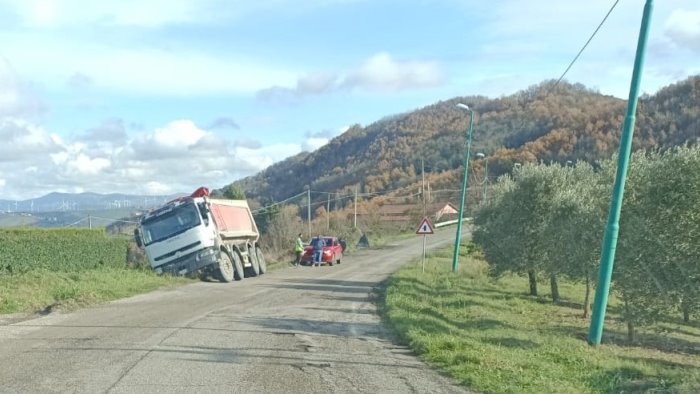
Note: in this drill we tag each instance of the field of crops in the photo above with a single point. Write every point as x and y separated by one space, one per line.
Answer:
63 250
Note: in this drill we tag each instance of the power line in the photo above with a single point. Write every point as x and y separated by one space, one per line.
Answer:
115 220
265 208
586 44
561 77
74 223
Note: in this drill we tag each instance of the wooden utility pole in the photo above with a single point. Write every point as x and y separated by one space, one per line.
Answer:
422 191
355 207
328 213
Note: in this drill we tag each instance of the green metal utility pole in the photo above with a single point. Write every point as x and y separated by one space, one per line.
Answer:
465 183
607 258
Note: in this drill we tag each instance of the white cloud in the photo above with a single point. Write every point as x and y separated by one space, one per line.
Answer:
154 187
178 134
223 122
316 140
22 140
379 73
254 160
382 72
317 83
313 143
683 28
177 157
84 165
111 131
17 97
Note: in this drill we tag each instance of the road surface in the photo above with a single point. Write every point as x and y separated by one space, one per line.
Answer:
295 330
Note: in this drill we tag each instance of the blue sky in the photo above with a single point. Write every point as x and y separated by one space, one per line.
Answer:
156 96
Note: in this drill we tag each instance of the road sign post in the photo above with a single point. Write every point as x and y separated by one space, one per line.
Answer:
424 228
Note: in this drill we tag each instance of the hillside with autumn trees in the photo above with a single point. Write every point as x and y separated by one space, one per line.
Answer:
546 123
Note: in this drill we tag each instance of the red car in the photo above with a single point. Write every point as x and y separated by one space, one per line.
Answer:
332 252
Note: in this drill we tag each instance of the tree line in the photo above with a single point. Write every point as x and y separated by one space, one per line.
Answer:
547 221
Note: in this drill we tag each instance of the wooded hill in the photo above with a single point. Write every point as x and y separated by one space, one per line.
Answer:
544 123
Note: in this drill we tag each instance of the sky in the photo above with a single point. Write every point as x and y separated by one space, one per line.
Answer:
156 97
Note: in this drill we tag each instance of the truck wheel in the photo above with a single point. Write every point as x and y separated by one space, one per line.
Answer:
254 266
225 273
261 259
238 266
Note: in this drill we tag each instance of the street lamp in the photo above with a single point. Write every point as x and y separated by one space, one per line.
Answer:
486 175
465 183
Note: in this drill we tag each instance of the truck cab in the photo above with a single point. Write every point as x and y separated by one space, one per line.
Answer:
196 234
180 237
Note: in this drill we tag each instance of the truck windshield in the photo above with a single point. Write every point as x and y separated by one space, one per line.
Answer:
170 223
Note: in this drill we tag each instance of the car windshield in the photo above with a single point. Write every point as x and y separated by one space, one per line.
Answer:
170 223
327 241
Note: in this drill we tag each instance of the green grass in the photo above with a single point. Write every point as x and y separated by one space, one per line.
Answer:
492 337
61 249
39 290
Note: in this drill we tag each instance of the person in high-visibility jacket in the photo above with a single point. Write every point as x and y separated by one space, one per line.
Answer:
298 250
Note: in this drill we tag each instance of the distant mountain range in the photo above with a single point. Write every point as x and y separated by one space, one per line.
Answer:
64 202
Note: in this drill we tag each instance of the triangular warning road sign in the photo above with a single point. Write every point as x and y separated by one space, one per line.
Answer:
425 227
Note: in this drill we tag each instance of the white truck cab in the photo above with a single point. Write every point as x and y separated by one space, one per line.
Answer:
196 234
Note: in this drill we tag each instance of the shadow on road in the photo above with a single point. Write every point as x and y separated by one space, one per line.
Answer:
312 287
322 327
361 311
333 282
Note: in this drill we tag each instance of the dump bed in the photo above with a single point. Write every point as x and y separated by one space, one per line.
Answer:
234 219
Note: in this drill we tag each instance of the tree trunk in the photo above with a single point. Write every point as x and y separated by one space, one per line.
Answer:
630 331
533 282
587 298
630 324
555 287
686 311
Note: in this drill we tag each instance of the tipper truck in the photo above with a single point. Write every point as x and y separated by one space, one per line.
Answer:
197 234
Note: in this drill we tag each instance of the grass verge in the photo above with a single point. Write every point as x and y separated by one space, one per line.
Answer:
41 290
492 337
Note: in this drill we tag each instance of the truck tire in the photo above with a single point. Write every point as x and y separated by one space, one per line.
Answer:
225 273
261 259
254 269
238 271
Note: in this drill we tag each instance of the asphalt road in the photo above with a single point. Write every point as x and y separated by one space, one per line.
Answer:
295 330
